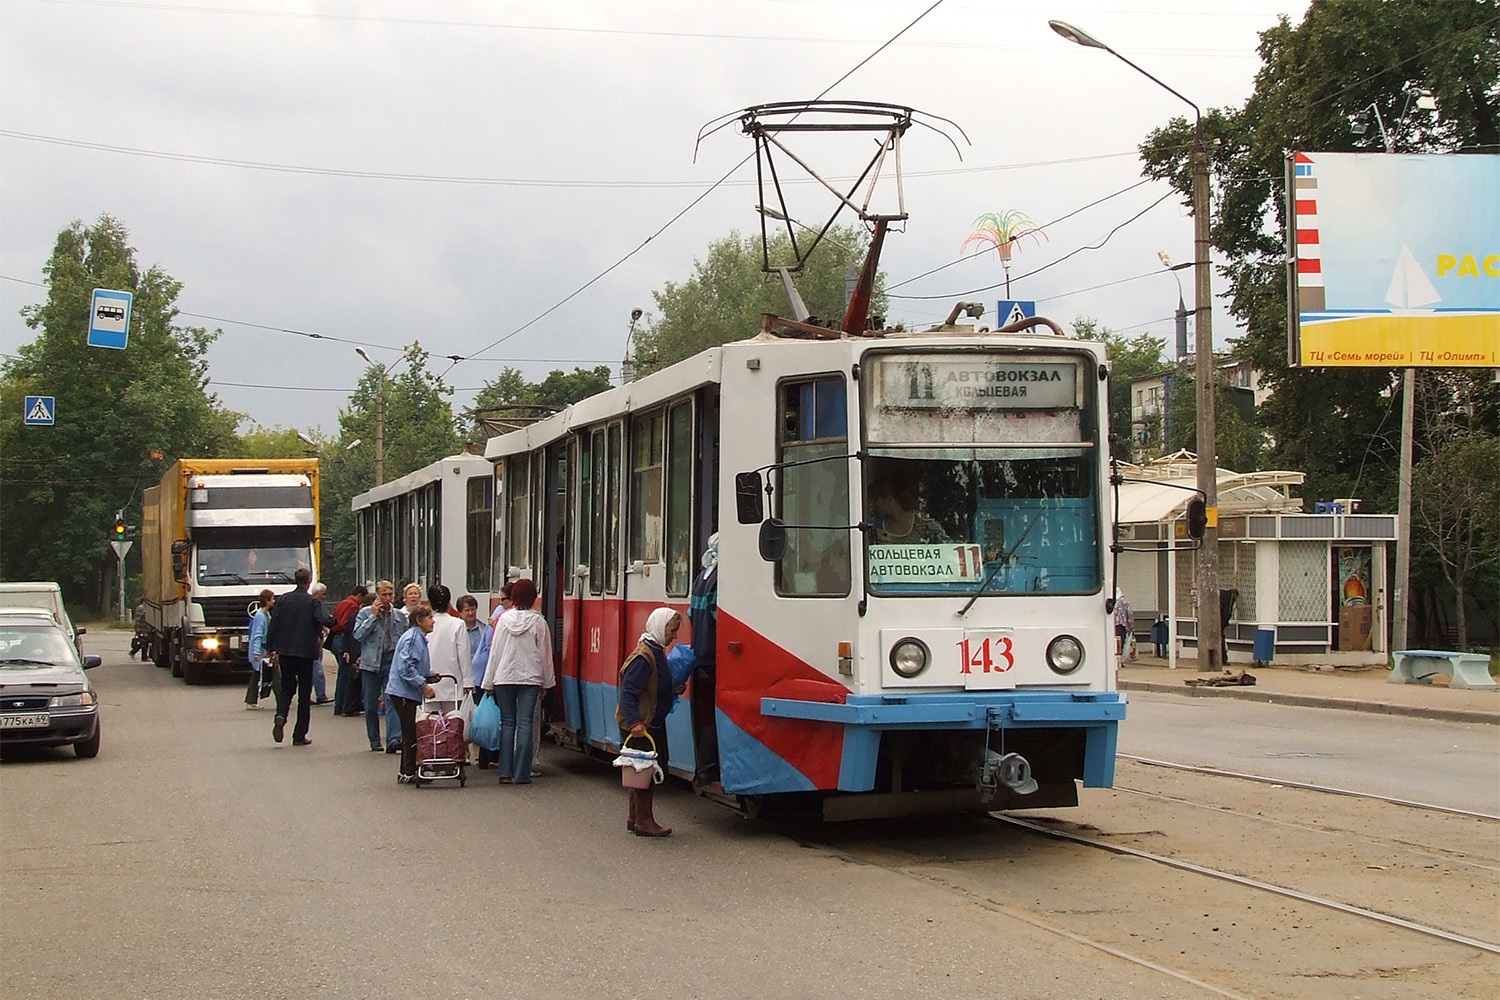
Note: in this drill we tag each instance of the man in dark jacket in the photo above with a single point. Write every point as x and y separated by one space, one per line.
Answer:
296 638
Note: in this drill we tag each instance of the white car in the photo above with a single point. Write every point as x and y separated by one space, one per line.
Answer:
41 594
45 698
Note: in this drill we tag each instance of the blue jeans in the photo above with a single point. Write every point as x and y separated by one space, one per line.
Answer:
320 686
517 711
374 687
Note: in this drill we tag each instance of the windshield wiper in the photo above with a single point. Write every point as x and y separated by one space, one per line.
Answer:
29 662
990 576
273 575
205 577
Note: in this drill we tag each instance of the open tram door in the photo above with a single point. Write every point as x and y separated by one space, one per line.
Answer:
551 556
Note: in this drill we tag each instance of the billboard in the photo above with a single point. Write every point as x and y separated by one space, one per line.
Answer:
1394 260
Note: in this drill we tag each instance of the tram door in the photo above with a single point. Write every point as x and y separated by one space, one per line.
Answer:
551 558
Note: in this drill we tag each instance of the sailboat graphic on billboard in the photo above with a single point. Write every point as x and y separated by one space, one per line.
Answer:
1410 286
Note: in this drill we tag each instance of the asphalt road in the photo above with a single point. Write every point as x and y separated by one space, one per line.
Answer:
195 858
1444 763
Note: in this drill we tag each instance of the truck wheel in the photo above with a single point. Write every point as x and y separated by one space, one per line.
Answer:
176 654
158 651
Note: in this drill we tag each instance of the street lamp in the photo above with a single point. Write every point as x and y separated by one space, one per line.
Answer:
1209 630
379 417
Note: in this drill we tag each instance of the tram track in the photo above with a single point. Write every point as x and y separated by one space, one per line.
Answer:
1306 786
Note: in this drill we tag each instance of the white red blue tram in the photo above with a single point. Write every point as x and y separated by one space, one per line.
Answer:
923 597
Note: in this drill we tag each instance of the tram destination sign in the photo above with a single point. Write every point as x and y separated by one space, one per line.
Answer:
973 383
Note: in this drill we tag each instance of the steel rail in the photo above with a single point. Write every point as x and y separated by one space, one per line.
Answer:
1025 918
1188 866
1219 772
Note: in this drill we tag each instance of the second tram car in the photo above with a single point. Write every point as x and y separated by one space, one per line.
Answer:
432 526
912 577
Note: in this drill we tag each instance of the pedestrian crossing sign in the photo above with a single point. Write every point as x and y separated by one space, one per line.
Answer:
1012 310
40 411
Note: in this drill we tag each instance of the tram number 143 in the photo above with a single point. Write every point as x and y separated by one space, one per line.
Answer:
990 655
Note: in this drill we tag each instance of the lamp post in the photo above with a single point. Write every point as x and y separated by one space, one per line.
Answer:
379 417
1209 630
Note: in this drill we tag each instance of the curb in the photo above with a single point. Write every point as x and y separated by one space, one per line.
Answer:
1314 701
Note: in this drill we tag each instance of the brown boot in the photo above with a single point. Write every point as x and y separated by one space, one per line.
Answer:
630 822
645 823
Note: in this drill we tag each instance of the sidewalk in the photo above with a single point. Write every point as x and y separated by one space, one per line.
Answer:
1350 689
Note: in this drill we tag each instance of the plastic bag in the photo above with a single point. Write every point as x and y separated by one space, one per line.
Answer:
484 727
465 711
681 660
1131 654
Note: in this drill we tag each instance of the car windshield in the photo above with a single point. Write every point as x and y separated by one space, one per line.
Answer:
27 645
980 475
250 564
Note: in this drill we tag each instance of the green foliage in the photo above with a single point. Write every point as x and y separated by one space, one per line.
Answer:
510 390
723 300
1241 443
1456 501
276 442
115 409
1129 358
1332 424
420 428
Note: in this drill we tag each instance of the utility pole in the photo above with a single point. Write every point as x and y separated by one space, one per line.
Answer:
1400 601
379 416
1209 630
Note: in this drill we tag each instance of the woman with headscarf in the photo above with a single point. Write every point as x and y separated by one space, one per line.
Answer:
519 669
646 696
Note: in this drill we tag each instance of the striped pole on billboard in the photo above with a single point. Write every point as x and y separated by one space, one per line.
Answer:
1310 293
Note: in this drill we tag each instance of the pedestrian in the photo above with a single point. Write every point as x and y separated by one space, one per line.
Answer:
448 648
646 696
411 598
319 591
488 759
408 686
138 642
346 689
1124 622
703 616
295 637
260 679
518 671
377 628
1227 600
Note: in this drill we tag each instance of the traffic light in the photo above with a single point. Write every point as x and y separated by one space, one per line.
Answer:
120 526
1197 517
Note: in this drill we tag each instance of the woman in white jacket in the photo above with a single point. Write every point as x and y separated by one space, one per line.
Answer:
519 670
448 653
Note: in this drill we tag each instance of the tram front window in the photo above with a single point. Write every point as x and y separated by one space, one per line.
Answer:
981 471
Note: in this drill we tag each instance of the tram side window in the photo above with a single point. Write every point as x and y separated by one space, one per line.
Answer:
479 531
814 424
680 499
612 512
645 488
517 537
596 521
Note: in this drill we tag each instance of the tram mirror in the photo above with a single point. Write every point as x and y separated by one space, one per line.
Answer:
749 504
772 539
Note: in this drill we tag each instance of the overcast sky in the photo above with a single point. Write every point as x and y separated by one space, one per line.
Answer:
540 143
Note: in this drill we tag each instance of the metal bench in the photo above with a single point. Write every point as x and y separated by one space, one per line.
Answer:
1467 670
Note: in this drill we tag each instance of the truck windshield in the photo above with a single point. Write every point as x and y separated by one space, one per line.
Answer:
250 564
981 472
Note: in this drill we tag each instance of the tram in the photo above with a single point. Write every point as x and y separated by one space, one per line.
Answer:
913 570
432 526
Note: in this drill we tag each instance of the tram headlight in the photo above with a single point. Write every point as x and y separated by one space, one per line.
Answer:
909 657
1064 654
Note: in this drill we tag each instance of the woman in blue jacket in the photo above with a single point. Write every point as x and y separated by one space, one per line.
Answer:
646 696
410 668
260 679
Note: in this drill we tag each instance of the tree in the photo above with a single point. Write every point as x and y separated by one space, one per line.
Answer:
1456 501
510 391
727 293
1129 358
1240 442
122 416
276 442
1315 77
420 428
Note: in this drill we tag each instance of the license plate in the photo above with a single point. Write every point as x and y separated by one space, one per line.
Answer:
37 720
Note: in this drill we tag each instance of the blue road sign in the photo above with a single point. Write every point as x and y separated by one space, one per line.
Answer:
1011 310
41 411
109 319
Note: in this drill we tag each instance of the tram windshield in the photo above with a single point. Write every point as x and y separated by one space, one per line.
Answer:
981 473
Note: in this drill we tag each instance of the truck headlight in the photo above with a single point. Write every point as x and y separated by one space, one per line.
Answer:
210 643
1064 654
72 700
909 657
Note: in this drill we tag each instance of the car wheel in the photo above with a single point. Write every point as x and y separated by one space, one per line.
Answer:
89 747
